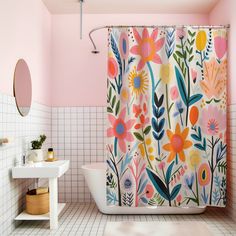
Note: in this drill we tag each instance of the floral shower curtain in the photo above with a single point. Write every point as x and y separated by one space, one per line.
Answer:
166 104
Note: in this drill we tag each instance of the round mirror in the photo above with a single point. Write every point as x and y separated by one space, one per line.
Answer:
22 87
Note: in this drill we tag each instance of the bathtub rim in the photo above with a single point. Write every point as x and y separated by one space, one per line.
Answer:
97 164
101 167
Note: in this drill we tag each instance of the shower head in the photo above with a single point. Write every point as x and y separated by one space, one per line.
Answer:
95 51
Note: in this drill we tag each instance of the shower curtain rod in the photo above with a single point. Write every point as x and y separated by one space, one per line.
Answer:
95 51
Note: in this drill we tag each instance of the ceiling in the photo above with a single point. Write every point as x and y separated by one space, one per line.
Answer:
130 6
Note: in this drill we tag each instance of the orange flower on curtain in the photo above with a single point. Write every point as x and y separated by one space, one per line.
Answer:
178 142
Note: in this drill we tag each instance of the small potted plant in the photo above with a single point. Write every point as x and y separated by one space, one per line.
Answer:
36 153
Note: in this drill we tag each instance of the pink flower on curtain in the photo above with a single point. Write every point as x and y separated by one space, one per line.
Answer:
194 75
180 33
161 165
179 199
213 120
120 129
147 47
174 93
220 44
149 191
124 45
112 67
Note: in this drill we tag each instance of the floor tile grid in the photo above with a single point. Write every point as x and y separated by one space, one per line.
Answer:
85 219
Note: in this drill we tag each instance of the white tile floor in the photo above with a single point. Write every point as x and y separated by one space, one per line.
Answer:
85 219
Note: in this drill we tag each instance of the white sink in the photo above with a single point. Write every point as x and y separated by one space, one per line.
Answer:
41 170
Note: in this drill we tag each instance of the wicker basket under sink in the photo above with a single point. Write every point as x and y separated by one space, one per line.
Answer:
37 204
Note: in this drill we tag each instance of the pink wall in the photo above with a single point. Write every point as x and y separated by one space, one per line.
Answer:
224 13
79 77
25 29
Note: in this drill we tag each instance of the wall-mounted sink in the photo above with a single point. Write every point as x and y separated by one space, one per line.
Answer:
41 170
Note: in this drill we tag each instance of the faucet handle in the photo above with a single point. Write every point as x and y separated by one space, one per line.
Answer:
24 159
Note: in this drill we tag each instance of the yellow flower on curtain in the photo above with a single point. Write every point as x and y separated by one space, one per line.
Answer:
124 95
150 152
177 143
214 78
142 150
194 159
138 82
166 73
201 40
149 149
148 141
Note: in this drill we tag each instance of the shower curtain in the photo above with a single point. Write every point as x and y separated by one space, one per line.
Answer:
166 110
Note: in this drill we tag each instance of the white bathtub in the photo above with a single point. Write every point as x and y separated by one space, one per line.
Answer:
95 176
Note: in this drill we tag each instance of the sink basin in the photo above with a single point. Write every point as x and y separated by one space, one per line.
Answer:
41 170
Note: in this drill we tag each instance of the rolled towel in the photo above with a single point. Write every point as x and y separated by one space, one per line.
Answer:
5 140
41 190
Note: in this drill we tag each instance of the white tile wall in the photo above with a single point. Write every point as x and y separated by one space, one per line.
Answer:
78 134
23 130
231 162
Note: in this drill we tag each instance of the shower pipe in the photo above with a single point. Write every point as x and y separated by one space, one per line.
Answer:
96 51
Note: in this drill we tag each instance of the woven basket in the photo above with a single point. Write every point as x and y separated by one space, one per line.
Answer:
37 204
